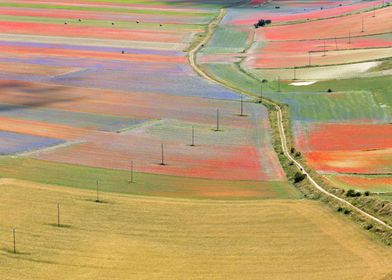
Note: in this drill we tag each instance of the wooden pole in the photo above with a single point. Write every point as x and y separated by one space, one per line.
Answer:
162 155
295 72
58 214
242 106
132 171
193 136
261 93
97 184
14 235
217 119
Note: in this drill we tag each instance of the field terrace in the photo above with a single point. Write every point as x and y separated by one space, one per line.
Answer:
102 84
312 50
299 11
328 42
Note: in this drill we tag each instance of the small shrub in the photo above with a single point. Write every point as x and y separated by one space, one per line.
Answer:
329 90
367 193
298 154
358 194
350 193
298 177
346 211
369 226
339 209
291 163
292 150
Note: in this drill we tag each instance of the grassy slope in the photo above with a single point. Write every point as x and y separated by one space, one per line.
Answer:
151 238
145 184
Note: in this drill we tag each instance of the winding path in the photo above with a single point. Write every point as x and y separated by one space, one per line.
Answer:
192 60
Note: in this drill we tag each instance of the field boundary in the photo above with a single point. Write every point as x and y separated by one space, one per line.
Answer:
282 133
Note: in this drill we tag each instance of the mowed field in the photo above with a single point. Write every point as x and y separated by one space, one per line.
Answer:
127 237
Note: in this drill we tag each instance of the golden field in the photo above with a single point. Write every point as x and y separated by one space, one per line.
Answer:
136 237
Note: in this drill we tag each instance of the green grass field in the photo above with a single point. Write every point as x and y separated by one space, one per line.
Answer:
104 23
102 9
145 184
231 75
131 237
227 40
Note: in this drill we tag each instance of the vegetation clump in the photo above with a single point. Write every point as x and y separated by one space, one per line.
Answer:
262 22
299 177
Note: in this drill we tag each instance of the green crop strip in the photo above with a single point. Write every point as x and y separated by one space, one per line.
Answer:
117 181
103 23
103 9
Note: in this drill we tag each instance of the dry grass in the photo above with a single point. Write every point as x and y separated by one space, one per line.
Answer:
154 238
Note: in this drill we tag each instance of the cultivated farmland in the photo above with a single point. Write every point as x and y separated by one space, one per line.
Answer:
331 65
140 140
155 238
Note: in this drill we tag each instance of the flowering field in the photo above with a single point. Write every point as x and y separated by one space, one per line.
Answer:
112 78
12 143
330 62
370 183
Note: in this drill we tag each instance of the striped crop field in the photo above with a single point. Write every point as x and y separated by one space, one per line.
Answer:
331 64
111 81
137 142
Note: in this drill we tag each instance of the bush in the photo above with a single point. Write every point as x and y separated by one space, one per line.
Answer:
340 209
369 226
298 177
358 194
329 90
292 150
367 193
350 193
291 163
346 211
298 154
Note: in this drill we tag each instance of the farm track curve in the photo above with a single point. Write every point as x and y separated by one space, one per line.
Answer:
192 60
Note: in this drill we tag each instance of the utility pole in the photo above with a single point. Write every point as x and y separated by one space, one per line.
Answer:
97 184
14 235
217 120
58 214
295 72
242 106
363 29
132 171
193 136
261 93
162 155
